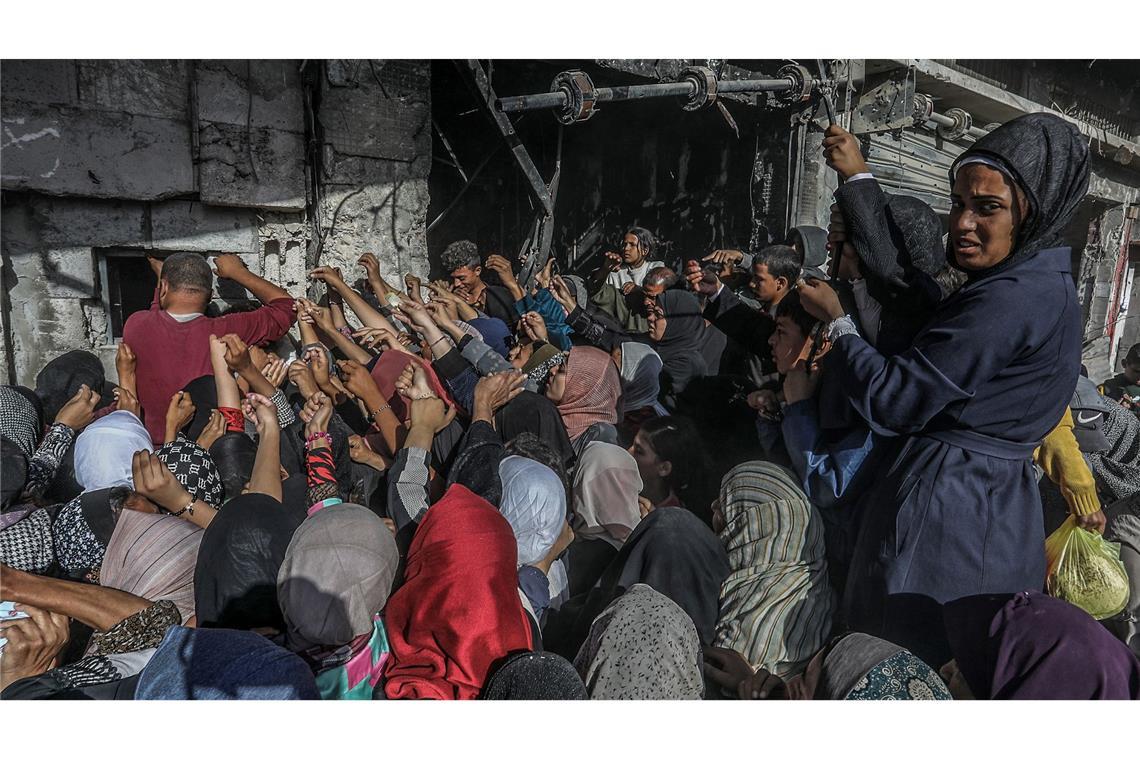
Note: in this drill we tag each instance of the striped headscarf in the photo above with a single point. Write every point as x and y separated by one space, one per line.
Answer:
153 556
593 387
775 605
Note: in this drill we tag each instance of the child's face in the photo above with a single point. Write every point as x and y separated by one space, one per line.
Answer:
1132 371
787 343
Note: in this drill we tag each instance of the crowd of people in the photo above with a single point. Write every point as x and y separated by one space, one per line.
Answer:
820 470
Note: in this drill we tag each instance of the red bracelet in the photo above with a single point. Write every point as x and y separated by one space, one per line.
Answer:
315 436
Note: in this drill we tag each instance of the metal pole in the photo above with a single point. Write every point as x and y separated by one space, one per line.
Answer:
520 103
939 120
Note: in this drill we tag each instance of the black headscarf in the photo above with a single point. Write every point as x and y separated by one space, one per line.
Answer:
673 552
1048 158
531 413
681 347
204 393
234 454
15 472
534 675
60 379
235 580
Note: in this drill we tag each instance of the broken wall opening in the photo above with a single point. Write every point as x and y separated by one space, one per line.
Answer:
684 175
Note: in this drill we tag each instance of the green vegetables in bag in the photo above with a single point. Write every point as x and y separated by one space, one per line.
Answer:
1085 570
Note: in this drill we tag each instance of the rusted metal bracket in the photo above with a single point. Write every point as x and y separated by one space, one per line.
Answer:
886 107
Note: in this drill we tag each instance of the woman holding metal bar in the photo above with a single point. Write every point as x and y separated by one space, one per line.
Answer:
958 512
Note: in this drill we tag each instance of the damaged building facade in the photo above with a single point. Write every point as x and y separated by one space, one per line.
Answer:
294 163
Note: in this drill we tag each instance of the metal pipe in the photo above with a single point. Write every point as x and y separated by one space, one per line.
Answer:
941 120
686 89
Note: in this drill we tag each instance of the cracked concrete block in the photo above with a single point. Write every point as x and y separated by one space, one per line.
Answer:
65 222
189 226
274 178
375 128
38 81
70 273
145 87
263 93
100 154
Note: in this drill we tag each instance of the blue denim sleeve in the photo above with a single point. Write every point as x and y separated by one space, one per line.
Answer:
825 469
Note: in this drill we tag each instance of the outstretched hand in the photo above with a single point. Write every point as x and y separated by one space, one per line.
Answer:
820 300
261 412
495 390
79 411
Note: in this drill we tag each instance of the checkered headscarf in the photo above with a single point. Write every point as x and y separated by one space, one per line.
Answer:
194 469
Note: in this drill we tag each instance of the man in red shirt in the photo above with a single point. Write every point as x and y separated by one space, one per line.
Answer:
172 339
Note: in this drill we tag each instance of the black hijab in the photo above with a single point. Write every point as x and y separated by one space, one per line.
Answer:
532 413
60 379
204 393
673 552
15 472
234 454
534 675
682 346
1048 158
235 580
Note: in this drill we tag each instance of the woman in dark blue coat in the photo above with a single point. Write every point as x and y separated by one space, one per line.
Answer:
958 512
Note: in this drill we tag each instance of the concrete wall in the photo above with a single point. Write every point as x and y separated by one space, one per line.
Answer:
209 156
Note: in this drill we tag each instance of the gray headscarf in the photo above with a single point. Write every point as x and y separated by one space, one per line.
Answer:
337 574
859 666
643 646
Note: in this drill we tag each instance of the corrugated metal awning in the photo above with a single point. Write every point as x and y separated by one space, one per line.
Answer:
914 163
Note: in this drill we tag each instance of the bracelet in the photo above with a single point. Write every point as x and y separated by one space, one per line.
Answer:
317 436
372 417
188 509
439 339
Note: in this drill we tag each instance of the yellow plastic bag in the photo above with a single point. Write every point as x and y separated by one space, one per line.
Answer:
1085 570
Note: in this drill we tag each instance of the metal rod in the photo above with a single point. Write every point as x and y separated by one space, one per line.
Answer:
941 120
559 99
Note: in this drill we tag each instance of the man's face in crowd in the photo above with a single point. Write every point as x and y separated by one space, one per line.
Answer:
1132 371
787 343
766 287
632 254
467 278
984 217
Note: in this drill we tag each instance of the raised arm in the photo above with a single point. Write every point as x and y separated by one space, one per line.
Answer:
229 396
310 312
369 317
266 477
231 267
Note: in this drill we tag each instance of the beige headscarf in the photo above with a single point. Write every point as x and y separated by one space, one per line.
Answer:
606 485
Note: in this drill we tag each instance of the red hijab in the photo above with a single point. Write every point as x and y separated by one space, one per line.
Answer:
387 370
593 387
459 610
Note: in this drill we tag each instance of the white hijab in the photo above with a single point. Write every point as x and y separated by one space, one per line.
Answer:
105 448
534 503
